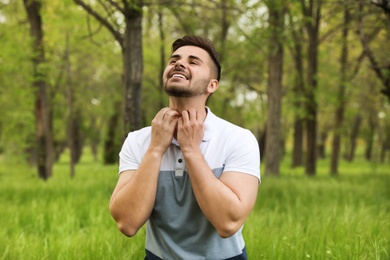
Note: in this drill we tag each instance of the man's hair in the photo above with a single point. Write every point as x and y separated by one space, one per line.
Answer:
200 42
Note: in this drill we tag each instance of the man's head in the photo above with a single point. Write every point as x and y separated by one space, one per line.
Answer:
203 43
193 69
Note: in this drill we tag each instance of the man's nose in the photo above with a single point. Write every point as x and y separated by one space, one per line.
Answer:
179 64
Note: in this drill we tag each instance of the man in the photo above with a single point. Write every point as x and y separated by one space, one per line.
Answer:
192 176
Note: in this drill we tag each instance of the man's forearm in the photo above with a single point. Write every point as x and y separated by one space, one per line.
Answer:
133 201
221 205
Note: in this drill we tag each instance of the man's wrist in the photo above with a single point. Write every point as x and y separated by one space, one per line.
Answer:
156 152
192 153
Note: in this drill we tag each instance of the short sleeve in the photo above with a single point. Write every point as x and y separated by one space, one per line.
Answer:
243 154
129 156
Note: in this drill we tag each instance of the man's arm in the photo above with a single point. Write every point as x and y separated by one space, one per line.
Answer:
134 195
133 198
226 202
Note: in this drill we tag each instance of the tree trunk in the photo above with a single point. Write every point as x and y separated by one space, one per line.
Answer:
275 73
321 147
353 138
44 140
163 59
370 139
312 14
225 25
385 140
132 68
111 148
70 94
299 86
297 156
94 138
339 115
385 147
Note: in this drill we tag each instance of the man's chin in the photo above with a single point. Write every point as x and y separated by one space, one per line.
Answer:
178 93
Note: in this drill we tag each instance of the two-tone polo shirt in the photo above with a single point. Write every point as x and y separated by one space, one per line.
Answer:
177 228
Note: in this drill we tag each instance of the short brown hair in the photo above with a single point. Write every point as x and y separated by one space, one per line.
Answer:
200 42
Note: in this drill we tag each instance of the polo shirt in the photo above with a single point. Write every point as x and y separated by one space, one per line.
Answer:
177 228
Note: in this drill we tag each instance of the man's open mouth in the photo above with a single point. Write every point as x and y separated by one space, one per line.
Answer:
176 75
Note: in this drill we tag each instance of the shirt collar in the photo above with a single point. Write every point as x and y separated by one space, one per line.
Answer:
208 125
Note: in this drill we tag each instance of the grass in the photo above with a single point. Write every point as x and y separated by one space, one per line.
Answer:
296 217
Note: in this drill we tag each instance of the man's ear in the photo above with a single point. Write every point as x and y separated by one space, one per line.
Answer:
213 86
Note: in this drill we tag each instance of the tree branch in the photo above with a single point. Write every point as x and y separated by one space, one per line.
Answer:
117 6
366 47
117 35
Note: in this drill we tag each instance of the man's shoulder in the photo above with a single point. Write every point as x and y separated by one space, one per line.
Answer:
224 126
140 135
140 132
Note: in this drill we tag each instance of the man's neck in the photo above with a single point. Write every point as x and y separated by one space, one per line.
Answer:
182 104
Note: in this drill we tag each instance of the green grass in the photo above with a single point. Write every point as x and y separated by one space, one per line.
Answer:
296 217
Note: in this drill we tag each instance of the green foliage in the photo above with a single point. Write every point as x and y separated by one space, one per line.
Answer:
16 97
295 217
240 32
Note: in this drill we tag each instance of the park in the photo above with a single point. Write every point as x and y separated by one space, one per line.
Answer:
310 79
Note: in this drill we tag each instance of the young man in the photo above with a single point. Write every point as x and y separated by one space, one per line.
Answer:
192 176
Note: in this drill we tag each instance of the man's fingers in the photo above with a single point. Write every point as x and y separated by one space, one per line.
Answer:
160 115
185 115
193 114
166 114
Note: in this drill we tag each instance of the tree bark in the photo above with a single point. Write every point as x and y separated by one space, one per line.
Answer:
111 148
321 147
132 68
297 156
370 138
275 74
298 90
70 94
353 138
339 115
312 14
163 59
43 135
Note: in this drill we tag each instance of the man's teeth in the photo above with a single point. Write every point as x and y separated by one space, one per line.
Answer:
178 76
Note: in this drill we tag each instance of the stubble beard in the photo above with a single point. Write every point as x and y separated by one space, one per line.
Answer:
175 90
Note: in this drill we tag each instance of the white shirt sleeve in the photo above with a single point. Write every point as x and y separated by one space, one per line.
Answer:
243 155
129 156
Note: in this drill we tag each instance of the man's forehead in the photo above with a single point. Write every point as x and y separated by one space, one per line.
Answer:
189 50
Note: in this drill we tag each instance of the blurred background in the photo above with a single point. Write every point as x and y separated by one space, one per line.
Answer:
310 78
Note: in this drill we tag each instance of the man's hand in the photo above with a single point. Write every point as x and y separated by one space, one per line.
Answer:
164 125
190 130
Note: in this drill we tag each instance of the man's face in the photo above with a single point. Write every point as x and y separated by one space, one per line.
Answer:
188 72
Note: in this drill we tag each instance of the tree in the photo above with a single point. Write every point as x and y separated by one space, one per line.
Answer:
275 74
380 67
312 15
44 145
339 114
297 54
129 39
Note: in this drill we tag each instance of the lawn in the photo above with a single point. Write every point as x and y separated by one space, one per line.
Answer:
295 217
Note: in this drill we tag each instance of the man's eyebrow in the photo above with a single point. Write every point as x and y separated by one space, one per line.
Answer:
193 57
173 56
